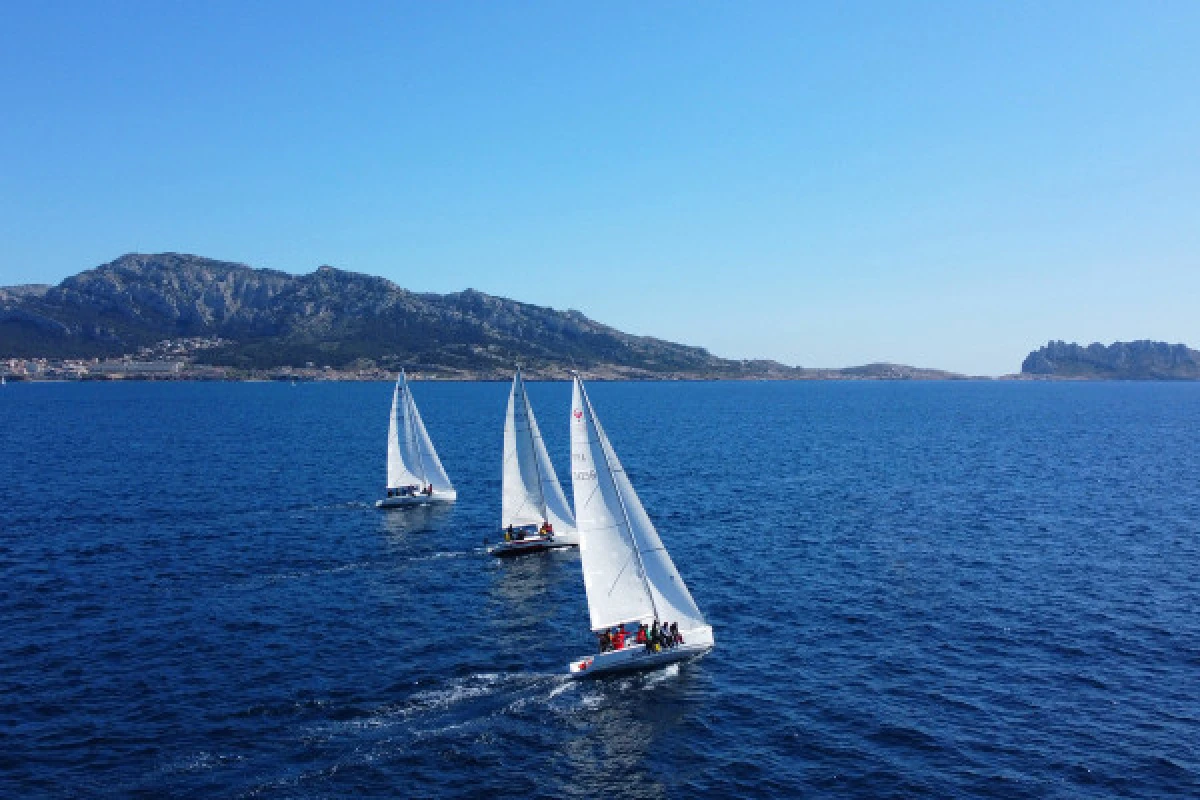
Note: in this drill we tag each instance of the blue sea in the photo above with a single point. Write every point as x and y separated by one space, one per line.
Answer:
917 590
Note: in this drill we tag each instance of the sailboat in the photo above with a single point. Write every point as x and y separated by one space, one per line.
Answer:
627 573
531 497
415 475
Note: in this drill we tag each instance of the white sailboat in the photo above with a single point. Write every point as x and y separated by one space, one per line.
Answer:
628 574
415 475
531 496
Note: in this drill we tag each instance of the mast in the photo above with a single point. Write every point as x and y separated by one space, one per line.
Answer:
637 550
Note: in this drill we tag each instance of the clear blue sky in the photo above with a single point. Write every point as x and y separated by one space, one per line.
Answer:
942 184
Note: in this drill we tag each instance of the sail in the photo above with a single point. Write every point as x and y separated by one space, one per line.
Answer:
558 512
428 465
412 461
399 441
627 573
530 490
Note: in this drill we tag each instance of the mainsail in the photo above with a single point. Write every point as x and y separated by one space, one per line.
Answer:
411 457
628 574
530 491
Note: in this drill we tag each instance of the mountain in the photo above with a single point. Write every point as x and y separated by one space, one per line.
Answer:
1140 360
265 319
329 317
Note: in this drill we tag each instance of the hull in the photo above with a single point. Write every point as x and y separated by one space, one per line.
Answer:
408 501
635 657
511 549
567 539
531 545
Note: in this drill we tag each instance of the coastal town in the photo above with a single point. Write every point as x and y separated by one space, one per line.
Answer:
172 359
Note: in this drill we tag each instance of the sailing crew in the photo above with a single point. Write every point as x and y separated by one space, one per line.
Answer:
641 634
618 637
508 534
605 642
676 636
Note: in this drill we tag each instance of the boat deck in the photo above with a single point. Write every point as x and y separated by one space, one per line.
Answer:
636 656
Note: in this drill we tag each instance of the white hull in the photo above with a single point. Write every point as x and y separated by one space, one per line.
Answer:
408 501
636 657
567 539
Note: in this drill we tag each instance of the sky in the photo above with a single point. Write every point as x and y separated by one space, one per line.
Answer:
942 184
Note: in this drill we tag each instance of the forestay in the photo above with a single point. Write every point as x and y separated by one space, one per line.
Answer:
627 573
530 491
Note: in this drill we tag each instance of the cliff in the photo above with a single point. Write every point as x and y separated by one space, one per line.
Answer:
1140 360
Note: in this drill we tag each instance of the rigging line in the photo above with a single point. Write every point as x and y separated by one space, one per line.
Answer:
624 567
595 489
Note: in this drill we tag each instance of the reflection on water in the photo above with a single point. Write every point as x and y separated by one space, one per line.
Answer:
519 589
399 522
618 726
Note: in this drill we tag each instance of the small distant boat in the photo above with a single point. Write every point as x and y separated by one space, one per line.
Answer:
534 514
415 476
628 574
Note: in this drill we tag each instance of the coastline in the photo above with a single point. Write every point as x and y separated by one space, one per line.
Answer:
501 378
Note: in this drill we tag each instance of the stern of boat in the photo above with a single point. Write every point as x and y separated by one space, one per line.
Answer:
578 668
566 539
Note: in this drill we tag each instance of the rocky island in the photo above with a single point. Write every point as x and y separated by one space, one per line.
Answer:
1133 361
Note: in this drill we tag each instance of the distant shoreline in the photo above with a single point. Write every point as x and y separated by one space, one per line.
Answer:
1016 378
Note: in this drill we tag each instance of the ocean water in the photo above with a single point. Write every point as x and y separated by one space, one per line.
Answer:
917 590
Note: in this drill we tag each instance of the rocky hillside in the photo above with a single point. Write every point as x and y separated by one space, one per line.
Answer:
267 319
329 317
1141 360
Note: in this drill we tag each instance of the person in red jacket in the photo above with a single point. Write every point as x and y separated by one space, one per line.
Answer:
641 634
619 638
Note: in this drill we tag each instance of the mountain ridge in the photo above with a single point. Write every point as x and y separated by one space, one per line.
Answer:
268 319
329 316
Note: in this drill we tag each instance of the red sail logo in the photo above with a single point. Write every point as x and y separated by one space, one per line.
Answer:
578 414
